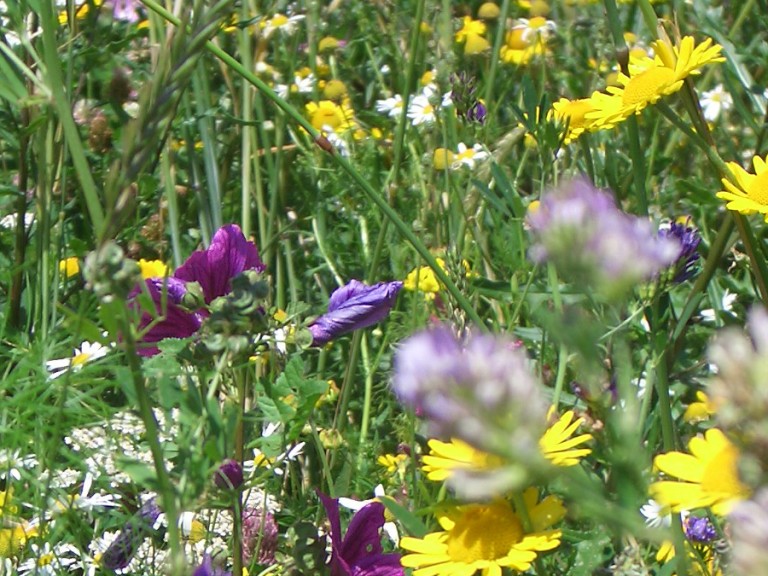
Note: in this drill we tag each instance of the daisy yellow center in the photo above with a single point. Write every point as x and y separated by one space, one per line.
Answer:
45 559
758 189
279 20
428 109
80 359
484 533
515 40
647 86
720 473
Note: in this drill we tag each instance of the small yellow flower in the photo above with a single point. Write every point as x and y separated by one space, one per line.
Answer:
442 158
6 499
469 27
424 280
81 12
708 476
394 463
476 44
425 28
153 269
13 540
328 43
487 537
69 267
335 90
573 114
702 409
747 193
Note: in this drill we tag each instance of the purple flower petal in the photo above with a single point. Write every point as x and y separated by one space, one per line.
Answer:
176 323
229 254
352 307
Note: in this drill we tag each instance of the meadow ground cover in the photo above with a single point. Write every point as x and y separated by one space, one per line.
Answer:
383 288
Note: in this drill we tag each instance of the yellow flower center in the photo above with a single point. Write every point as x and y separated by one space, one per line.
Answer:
647 86
515 40
279 20
758 189
484 533
45 559
720 475
80 359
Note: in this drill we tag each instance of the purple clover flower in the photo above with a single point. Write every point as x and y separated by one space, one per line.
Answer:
359 553
582 231
229 254
479 389
259 536
126 10
353 307
689 239
699 530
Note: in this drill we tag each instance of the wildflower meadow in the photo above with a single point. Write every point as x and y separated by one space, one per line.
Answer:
386 288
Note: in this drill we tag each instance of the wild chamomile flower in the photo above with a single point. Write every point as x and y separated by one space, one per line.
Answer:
11 464
87 501
527 39
328 115
280 23
468 157
390 106
652 79
87 352
487 537
655 514
442 158
573 114
537 29
708 476
715 101
49 561
421 110
747 193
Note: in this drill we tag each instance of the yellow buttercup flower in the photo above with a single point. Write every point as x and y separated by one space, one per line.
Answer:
470 27
652 79
487 537
476 44
424 280
708 476
153 269
702 409
559 446
69 267
749 192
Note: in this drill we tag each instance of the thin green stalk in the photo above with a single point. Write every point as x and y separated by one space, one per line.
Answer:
171 197
64 112
501 32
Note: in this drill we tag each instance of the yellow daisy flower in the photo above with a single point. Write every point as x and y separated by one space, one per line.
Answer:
573 113
652 79
749 193
702 409
559 446
446 457
337 117
708 475
485 537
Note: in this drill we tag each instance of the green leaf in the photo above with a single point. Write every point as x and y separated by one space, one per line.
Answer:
412 524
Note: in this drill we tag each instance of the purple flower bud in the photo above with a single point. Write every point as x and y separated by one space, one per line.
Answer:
208 569
699 530
352 307
229 475
477 112
689 239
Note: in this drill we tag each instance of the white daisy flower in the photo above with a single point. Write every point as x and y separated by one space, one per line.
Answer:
421 110
47 561
280 22
726 305
715 101
535 28
11 464
9 221
390 106
84 501
655 514
468 156
390 528
87 352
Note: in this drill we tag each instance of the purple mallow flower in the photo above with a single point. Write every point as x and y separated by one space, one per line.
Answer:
588 238
689 239
229 254
124 547
352 307
359 553
479 389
